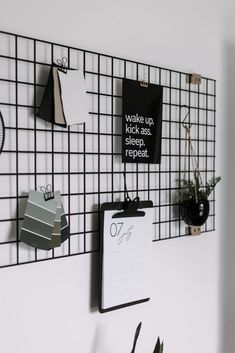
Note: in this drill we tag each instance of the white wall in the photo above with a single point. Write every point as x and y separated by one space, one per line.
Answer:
227 285
49 307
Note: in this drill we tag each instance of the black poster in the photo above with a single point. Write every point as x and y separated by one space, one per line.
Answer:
142 122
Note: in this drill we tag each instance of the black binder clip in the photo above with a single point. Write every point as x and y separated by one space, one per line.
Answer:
130 207
144 83
62 64
47 191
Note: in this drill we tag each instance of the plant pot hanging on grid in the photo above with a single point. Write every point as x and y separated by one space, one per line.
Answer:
193 196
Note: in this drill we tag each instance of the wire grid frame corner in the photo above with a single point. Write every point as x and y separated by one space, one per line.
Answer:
84 161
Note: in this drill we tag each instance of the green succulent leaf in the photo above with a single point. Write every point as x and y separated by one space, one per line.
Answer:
187 188
159 347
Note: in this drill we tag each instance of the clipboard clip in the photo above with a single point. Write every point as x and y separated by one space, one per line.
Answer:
47 192
130 207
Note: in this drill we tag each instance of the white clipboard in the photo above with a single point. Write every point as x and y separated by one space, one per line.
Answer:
126 252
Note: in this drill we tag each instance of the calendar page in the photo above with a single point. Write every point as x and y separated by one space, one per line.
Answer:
126 259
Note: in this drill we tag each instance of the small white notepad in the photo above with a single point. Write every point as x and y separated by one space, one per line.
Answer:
126 259
74 97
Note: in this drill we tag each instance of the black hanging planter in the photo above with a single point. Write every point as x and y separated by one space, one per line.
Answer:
193 194
195 212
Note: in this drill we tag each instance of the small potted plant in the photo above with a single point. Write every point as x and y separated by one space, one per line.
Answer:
193 199
193 195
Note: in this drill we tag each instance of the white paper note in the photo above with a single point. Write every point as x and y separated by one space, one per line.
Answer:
74 97
58 108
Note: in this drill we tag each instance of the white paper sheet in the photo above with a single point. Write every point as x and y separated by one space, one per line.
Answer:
58 108
74 97
127 250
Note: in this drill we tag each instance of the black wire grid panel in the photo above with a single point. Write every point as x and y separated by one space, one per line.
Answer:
84 161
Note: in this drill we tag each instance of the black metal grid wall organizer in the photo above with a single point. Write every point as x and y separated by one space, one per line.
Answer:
84 161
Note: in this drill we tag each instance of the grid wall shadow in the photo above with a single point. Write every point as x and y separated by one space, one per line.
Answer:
84 161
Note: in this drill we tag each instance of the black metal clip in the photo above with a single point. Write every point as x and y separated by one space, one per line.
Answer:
144 82
47 191
62 64
130 209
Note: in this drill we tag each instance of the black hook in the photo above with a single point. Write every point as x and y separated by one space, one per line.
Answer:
2 132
